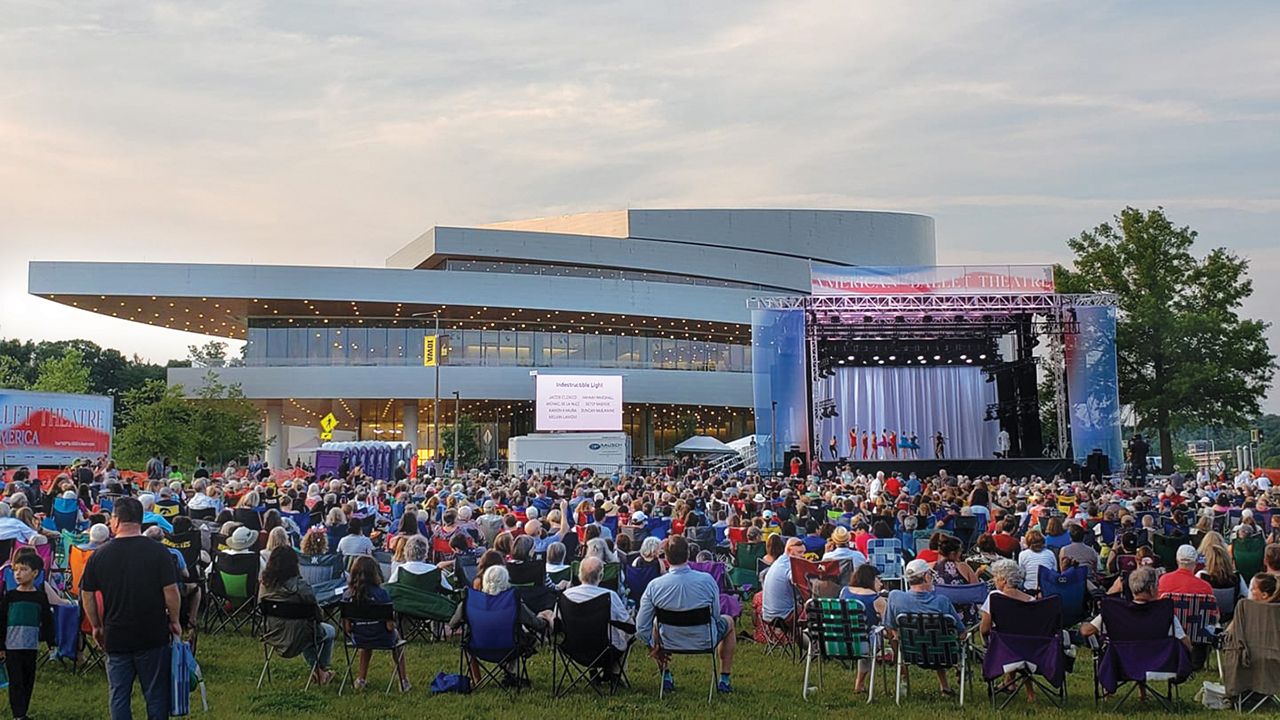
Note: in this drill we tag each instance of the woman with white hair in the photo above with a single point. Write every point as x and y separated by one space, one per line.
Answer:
99 534
416 552
598 547
649 554
1007 576
494 581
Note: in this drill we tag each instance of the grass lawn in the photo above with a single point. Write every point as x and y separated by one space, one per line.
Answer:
764 688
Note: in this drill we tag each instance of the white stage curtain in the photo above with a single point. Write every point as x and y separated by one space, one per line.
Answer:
922 400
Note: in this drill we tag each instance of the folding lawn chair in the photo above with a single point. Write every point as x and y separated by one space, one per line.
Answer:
692 618
233 592
422 605
1025 642
490 640
584 649
352 612
1138 650
1252 663
838 630
288 611
930 641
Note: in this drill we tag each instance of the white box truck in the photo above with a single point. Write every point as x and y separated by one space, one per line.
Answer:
604 453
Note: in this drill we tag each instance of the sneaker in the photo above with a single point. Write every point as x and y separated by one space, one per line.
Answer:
724 687
668 685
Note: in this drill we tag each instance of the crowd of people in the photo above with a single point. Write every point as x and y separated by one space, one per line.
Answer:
653 544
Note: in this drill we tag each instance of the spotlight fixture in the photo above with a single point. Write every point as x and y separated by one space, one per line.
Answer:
876 357
937 357
964 357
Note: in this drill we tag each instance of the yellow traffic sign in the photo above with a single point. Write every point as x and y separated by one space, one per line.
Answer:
328 423
326 436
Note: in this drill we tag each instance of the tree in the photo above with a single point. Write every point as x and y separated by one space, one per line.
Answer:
1185 355
157 420
220 424
211 354
468 445
11 375
64 374
110 372
224 424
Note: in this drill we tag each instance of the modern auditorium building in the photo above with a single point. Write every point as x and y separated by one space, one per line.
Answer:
658 296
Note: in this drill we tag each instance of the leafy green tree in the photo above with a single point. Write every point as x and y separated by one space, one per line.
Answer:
157 420
468 442
110 372
1186 357
224 423
220 424
64 374
11 374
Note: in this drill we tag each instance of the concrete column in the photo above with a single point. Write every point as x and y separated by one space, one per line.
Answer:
411 423
275 429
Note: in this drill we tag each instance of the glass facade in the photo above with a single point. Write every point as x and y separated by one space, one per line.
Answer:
517 268
287 346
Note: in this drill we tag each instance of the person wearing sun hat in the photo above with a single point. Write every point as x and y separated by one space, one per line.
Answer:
838 549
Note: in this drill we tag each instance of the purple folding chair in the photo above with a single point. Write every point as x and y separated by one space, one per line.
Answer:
1138 649
729 604
1026 642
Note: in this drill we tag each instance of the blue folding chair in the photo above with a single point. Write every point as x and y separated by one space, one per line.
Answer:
886 556
1072 586
490 640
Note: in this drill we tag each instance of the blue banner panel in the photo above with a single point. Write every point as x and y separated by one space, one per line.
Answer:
1093 388
779 380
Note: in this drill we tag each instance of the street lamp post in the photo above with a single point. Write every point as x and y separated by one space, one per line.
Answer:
773 437
457 409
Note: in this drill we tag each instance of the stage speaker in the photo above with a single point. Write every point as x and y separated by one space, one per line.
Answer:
1097 464
788 465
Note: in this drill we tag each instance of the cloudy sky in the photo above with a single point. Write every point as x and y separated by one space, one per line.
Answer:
333 133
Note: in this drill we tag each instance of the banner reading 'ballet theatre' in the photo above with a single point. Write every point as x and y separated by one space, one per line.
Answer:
53 428
826 279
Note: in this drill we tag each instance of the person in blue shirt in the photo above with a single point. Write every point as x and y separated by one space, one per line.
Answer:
913 485
683 588
920 597
150 516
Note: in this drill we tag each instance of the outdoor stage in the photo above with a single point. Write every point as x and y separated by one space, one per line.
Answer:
892 357
973 467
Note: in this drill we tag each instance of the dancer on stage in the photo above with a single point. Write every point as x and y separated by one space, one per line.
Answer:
939 446
884 444
833 447
915 446
866 442
893 444
904 442
796 464
853 442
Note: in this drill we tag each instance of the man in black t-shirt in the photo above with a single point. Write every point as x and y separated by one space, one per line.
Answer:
139 611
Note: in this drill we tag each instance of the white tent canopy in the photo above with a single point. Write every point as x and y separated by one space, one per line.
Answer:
704 444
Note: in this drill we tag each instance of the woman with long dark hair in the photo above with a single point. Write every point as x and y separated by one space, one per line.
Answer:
282 580
364 587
